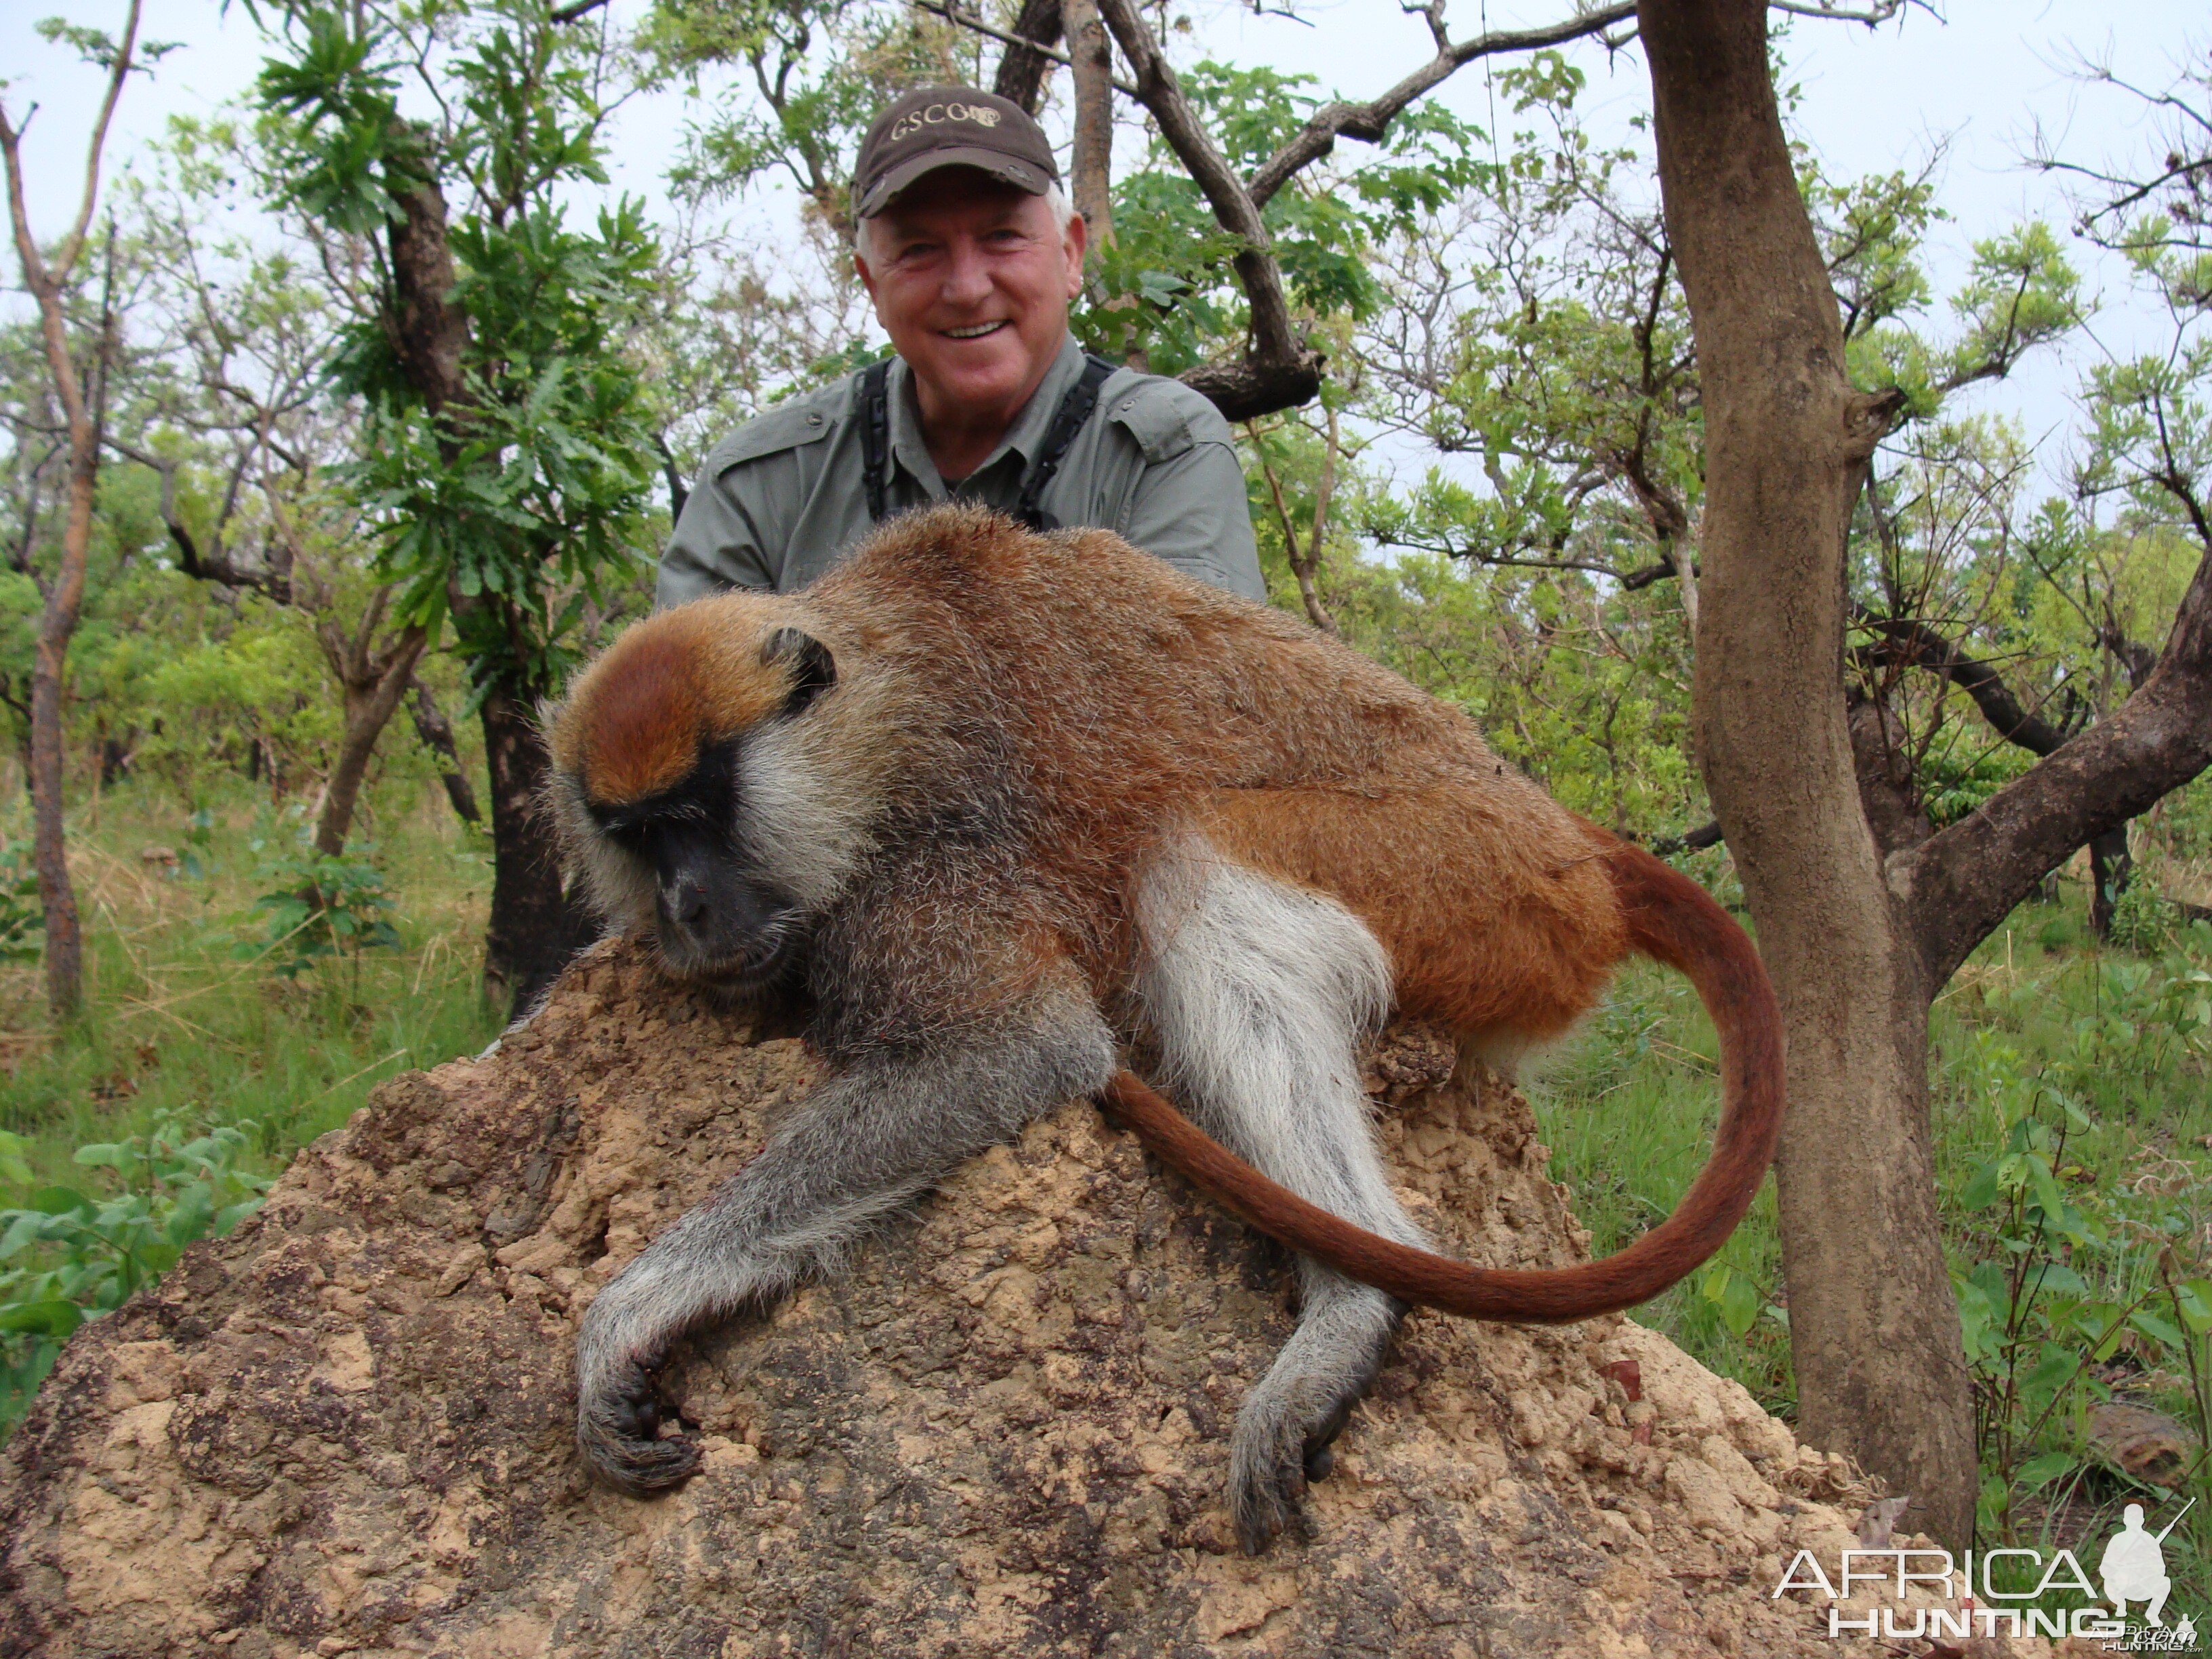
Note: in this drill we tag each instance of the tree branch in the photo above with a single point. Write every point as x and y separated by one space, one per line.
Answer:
1707 833
1369 122
1907 642
1630 581
1014 42
1960 887
1278 364
66 257
1880 11
1029 56
437 734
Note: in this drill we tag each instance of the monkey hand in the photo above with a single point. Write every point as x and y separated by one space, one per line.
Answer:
619 1406
618 1432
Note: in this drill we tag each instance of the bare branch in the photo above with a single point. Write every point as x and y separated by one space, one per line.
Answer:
1880 11
213 564
1690 840
952 14
1630 580
1368 122
1907 642
66 257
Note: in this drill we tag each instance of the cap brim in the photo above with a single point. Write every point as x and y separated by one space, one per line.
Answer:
997 163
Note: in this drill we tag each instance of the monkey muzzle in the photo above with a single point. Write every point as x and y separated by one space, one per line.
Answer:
715 923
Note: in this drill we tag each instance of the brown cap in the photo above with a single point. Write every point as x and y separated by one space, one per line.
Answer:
933 127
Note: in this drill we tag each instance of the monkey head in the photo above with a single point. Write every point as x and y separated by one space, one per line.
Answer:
698 788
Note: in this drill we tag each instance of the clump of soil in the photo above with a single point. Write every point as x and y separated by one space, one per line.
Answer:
346 1427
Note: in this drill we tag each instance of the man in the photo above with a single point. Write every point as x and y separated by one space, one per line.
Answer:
966 245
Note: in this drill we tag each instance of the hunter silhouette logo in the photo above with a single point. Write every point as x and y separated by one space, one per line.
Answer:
1955 1604
2134 1567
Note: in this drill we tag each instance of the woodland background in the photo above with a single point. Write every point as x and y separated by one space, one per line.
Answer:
351 514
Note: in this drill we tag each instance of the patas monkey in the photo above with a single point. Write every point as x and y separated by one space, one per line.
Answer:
1001 802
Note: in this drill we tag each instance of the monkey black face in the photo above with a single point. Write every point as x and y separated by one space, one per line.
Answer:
716 914
688 791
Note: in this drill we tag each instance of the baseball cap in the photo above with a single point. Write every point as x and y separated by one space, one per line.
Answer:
933 127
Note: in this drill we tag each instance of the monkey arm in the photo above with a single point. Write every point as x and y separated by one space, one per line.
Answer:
866 1141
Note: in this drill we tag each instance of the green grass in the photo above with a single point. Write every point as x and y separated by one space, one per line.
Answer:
177 1025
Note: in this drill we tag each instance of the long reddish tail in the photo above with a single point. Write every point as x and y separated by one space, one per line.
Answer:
1671 920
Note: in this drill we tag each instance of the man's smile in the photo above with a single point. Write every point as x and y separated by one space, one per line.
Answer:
975 331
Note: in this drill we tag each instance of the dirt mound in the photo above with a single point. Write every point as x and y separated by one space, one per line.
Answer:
345 1428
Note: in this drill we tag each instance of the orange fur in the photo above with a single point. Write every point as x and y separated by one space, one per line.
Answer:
654 697
1669 918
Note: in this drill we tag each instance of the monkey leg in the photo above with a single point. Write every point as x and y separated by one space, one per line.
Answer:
1257 993
865 1141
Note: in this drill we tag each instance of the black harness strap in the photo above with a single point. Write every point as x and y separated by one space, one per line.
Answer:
1069 419
1066 421
875 395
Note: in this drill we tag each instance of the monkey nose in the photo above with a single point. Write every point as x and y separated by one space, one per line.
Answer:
688 905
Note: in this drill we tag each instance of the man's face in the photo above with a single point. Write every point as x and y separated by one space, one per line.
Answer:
971 279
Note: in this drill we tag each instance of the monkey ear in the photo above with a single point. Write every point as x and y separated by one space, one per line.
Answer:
814 671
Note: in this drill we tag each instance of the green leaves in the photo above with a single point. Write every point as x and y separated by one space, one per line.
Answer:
533 495
339 144
322 907
1167 287
2021 293
72 1254
2069 1287
1736 1295
22 916
516 504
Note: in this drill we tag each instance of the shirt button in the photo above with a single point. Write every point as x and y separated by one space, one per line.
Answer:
814 420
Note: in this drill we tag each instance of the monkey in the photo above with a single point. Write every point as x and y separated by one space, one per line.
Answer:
1001 807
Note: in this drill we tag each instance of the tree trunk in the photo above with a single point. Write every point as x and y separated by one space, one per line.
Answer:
1887 791
57 620
1874 1325
1022 72
437 734
535 926
1093 70
64 934
47 281
370 700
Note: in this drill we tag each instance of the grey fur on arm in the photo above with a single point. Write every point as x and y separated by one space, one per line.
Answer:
864 1143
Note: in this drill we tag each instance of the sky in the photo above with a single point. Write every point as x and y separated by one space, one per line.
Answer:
1974 81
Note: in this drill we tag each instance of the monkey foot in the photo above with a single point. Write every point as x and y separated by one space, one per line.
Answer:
1272 1471
619 1434
1287 1429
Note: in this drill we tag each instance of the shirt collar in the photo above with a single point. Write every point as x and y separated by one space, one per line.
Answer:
1027 433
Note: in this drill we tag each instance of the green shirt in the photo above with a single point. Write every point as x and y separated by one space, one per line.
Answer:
781 498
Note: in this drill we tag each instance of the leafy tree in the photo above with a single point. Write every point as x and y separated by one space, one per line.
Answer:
507 440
